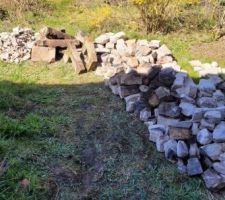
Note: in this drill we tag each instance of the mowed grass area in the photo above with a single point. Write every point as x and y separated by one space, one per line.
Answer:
71 138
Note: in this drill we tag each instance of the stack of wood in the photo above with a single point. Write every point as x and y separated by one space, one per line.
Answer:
79 50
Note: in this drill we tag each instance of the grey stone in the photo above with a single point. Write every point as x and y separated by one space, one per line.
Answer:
143 88
219 167
134 97
195 128
143 50
150 122
213 151
155 131
110 45
207 102
182 168
215 79
145 115
199 112
204 137
218 96
213 117
170 148
187 109
102 39
165 60
179 81
131 78
207 125
194 167
182 149
154 44
125 91
189 89
222 157
163 51
186 99
130 106
212 180
115 37
160 141
143 43
162 92
169 109
206 85
219 133
167 76
193 150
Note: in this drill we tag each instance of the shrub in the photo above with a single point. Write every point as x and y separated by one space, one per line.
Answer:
156 15
18 7
97 18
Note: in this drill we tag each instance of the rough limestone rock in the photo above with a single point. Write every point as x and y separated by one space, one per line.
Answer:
207 102
194 151
194 167
219 133
206 85
145 115
160 141
182 168
205 124
169 109
182 149
212 151
162 92
204 137
187 109
219 167
212 180
167 76
170 148
155 131
213 116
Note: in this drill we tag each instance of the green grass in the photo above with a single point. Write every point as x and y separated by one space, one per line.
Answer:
69 136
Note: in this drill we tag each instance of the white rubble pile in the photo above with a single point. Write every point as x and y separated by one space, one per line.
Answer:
185 120
206 68
16 46
116 53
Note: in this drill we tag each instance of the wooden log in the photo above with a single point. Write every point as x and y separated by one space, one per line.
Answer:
88 47
57 43
76 59
51 33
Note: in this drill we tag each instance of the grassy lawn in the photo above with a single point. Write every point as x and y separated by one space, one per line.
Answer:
71 138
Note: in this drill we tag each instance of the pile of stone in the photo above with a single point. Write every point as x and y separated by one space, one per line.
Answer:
185 120
116 53
16 46
206 68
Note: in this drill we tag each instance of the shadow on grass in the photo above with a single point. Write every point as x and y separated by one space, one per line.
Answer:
76 142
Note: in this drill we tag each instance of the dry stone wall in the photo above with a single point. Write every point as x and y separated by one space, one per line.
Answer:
185 120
